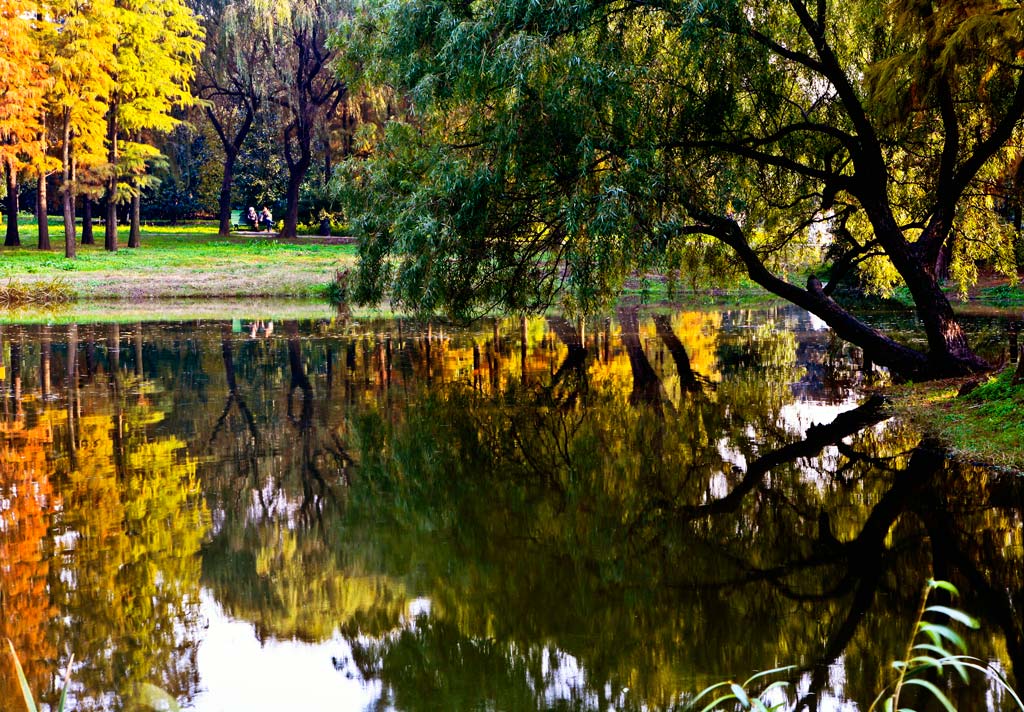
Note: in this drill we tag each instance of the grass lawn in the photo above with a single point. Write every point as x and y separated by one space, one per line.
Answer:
986 424
178 262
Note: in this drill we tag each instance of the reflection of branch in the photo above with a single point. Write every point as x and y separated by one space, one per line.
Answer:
815 440
234 398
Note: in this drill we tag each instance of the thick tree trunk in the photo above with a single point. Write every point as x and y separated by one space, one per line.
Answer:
296 174
224 202
135 234
42 213
88 238
12 238
948 352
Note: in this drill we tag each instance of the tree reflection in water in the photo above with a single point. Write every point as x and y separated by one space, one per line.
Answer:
537 514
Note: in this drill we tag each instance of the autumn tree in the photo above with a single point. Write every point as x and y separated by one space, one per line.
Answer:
565 146
154 54
21 93
80 68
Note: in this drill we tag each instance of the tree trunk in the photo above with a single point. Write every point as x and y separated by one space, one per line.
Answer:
67 191
296 174
224 202
13 238
135 234
948 353
42 213
87 235
69 223
110 229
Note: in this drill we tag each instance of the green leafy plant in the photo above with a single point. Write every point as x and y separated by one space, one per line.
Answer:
737 693
26 693
936 647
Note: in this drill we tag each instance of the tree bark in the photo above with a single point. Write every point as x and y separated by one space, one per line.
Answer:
12 238
224 202
135 234
110 228
87 234
296 174
67 191
948 354
42 213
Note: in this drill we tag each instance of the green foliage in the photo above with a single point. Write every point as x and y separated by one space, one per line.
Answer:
937 648
737 693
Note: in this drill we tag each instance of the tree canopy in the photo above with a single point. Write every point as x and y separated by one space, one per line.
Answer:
557 145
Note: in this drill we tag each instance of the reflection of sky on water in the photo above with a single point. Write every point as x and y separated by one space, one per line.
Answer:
240 673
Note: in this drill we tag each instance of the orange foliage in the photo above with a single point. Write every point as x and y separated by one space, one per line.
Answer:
26 500
22 84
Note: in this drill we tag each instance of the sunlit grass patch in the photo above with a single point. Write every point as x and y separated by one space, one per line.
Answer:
188 260
987 423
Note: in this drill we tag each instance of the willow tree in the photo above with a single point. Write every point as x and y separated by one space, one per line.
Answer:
22 74
565 145
232 78
305 87
155 52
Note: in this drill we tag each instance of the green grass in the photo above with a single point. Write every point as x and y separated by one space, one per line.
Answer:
189 261
986 424
1003 295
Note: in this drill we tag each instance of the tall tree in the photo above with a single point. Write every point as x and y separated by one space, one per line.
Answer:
22 75
306 88
155 52
568 145
232 75
81 69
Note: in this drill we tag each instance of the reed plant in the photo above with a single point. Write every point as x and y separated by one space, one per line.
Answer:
42 293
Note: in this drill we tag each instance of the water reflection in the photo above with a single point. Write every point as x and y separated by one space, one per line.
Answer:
533 514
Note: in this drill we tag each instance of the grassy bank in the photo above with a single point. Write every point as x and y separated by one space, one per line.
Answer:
185 262
986 424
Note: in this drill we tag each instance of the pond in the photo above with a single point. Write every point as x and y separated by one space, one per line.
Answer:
529 514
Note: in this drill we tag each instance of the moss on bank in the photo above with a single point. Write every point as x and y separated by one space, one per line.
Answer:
985 424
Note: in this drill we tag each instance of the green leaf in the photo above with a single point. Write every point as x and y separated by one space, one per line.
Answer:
939 632
930 686
741 695
26 693
67 684
944 586
706 691
764 673
712 705
955 615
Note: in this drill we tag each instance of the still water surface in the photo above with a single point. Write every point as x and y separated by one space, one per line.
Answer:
526 515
